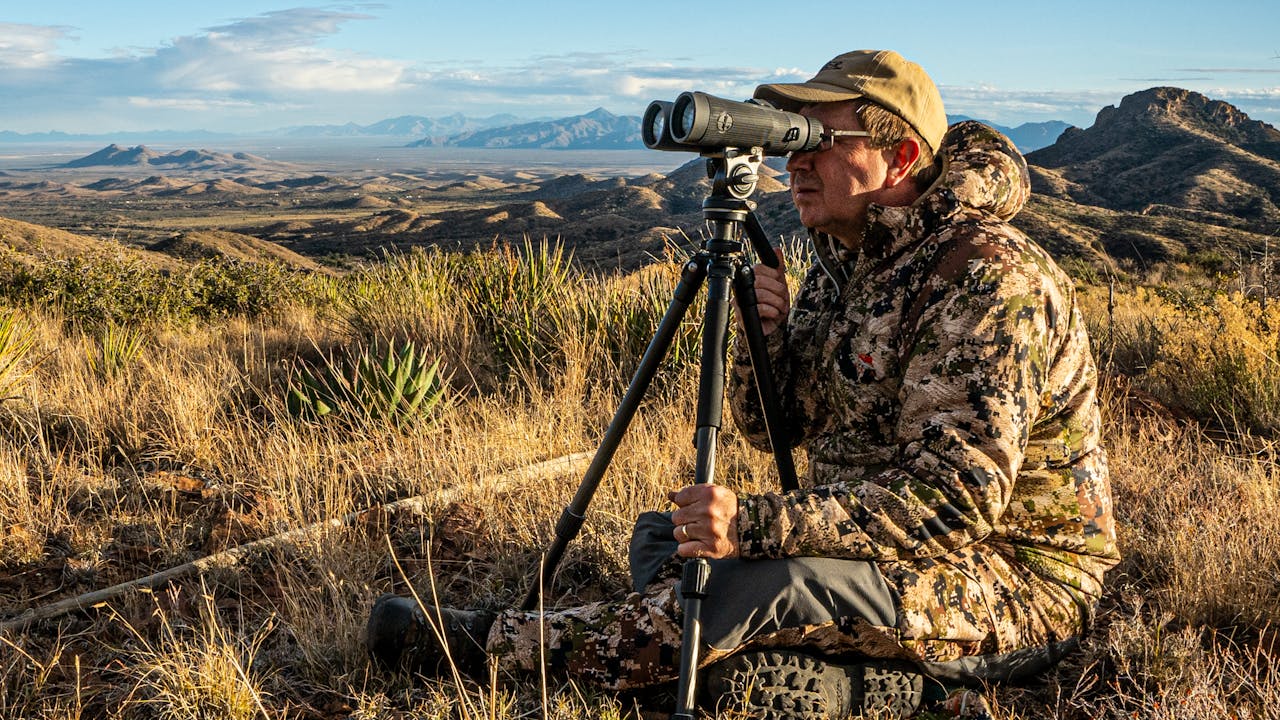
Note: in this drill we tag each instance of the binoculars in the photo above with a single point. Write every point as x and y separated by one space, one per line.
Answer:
698 122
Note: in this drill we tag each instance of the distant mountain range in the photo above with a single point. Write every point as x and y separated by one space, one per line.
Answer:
596 130
415 126
602 130
1027 136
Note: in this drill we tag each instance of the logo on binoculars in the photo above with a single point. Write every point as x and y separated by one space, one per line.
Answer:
791 135
724 122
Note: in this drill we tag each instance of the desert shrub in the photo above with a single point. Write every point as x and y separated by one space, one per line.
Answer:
518 300
95 291
1223 363
1215 356
1127 328
621 316
409 295
230 288
514 313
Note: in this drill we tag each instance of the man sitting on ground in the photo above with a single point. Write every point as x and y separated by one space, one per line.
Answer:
955 521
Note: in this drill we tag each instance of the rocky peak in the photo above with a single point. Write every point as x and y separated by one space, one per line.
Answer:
1168 147
1170 106
1155 120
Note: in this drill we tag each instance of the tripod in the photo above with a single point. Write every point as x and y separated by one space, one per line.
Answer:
720 265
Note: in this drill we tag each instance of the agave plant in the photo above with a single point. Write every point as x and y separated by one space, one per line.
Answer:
400 387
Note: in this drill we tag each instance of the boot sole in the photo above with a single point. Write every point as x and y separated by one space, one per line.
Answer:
783 684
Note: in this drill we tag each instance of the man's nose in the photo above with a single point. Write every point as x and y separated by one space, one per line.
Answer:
799 161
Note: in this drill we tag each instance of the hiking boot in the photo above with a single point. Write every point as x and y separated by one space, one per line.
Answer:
399 636
781 684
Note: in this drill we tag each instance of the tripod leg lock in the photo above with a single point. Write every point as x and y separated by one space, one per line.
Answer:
693 579
569 524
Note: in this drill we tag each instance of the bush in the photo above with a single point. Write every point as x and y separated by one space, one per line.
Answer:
1215 356
99 291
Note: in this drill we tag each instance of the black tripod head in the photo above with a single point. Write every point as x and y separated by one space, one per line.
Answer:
734 174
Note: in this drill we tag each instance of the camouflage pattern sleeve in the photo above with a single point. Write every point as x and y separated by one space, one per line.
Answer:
975 353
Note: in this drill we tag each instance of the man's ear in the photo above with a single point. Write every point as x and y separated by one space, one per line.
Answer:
902 157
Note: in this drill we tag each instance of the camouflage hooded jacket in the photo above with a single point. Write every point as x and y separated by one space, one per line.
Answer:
942 385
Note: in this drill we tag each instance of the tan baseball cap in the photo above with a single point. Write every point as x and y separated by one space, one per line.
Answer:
883 76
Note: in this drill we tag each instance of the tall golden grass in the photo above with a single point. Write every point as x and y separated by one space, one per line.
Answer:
134 442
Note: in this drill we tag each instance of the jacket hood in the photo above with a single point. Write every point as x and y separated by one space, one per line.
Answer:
984 170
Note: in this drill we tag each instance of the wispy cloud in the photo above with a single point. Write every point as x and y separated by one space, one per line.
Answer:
1008 106
193 104
1229 71
278 61
616 79
273 59
297 27
29 46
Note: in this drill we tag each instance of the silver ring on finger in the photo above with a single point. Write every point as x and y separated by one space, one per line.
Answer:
683 530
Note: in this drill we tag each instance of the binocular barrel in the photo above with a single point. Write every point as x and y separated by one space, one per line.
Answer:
697 121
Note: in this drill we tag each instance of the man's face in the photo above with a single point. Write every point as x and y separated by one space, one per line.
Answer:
833 188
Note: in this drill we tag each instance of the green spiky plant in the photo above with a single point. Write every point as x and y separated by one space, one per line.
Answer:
116 349
16 340
402 386
515 296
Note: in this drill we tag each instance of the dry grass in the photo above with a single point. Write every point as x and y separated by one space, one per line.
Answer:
187 448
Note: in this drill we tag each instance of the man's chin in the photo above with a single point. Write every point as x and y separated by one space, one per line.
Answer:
810 220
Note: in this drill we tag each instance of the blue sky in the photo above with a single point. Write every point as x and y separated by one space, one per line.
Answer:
246 65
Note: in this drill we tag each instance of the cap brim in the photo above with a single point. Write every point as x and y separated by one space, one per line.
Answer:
788 96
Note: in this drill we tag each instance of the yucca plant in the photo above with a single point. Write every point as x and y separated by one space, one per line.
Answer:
514 297
16 340
412 294
117 348
400 387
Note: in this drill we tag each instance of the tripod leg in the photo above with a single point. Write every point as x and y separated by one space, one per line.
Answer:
570 523
697 571
774 420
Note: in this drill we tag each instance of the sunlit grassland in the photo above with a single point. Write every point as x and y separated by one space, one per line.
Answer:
147 423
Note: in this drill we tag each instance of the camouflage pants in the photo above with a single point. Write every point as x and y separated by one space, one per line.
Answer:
824 605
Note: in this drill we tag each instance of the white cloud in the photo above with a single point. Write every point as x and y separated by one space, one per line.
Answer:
296 27
269 62
29 46
617 80
1244 93
193 104
1013 107
272 53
